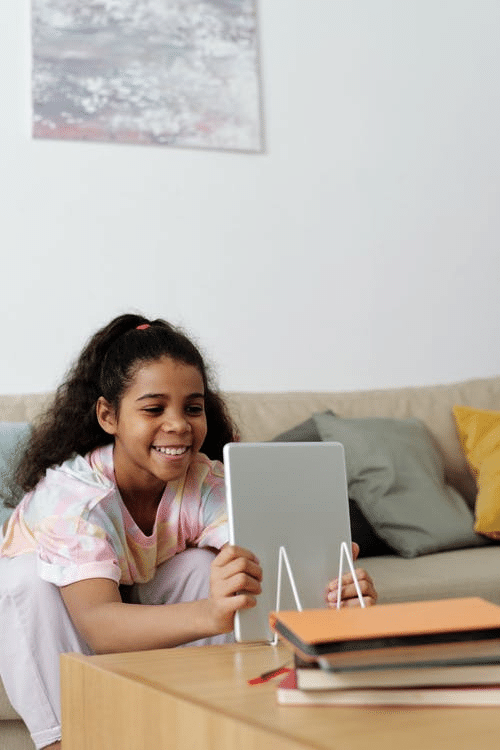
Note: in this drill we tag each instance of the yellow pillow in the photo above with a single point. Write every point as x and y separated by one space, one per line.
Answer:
479 433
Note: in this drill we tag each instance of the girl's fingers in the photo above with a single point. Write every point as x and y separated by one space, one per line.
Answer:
238 584
235 570
232 552
232 561
361 575
239 601
240 565
349 591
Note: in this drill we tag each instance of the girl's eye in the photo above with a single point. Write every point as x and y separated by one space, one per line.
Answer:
153 409
195 409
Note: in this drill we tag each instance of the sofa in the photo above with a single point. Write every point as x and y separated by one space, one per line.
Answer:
406 561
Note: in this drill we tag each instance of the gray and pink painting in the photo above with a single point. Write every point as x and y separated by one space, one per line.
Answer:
164 72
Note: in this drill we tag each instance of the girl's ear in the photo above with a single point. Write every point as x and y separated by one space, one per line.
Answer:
106 416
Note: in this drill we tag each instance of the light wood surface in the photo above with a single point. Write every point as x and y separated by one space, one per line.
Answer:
199 699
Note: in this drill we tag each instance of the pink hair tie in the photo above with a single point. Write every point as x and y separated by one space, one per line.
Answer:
142 327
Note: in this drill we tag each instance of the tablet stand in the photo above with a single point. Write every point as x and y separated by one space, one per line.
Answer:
283 557
344 553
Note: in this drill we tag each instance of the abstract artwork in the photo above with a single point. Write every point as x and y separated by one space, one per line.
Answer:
164 72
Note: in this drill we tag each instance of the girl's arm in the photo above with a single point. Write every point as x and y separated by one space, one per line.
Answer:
108 625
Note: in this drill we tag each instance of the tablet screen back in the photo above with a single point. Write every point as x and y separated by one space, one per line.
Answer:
291 495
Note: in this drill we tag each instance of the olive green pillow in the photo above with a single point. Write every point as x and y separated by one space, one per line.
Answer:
396 476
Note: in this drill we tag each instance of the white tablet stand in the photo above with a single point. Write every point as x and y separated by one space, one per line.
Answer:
344 554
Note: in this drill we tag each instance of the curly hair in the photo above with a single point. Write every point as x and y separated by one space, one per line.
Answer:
106 367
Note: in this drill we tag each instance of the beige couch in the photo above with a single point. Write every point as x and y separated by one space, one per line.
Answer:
262 416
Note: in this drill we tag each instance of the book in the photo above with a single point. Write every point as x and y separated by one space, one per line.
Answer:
287 693
424 655
310 676
439 632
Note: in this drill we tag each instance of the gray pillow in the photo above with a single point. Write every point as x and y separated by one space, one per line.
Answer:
305 432
13 437
396 476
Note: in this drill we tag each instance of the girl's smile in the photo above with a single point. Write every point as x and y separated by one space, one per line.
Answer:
159 428
171 451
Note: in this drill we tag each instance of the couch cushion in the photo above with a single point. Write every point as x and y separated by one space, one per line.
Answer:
455 573
13 436
479 433
396 475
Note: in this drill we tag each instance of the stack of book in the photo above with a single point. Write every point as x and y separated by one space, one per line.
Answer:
444 652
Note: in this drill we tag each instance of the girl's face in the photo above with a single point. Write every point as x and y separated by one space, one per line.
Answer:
160 427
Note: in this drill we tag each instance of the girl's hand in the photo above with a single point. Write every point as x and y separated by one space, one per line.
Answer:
235 578
349 595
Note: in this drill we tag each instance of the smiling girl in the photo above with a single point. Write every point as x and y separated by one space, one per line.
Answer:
124 510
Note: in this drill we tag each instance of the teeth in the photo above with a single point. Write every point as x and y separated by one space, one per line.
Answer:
171 451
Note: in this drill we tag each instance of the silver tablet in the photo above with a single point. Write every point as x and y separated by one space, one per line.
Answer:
290 495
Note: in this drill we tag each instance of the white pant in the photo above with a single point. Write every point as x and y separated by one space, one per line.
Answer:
36 629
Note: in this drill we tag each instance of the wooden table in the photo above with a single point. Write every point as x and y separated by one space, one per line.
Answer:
199 699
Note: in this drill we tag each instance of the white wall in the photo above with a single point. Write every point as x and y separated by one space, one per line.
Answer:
360 250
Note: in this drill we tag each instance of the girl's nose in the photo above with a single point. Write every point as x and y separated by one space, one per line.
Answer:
175 422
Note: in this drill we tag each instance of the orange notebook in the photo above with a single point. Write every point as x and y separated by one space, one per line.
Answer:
399 628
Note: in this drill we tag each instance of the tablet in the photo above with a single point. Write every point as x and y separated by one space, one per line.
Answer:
290 495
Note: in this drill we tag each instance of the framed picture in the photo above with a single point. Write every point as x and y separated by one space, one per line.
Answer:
162 72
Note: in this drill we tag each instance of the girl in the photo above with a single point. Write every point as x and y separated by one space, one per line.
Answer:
124 511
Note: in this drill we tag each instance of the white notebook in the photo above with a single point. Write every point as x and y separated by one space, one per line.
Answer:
291 495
